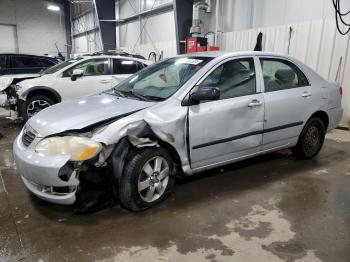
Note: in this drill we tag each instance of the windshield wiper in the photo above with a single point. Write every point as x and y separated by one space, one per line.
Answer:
154 98
118 93
131 93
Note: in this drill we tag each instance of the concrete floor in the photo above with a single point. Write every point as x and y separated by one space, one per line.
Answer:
271 208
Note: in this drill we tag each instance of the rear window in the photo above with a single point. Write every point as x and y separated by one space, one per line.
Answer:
124 66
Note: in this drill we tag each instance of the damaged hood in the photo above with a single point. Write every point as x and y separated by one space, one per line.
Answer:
6 80
83 112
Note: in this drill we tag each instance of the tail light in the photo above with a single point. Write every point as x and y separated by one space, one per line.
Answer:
341 91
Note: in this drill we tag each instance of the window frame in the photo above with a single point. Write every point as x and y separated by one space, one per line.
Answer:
257 76
85 60
285 61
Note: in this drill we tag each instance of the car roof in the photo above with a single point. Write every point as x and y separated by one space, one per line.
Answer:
215 54
116 56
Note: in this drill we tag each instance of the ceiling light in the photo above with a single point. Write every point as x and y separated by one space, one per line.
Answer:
53 8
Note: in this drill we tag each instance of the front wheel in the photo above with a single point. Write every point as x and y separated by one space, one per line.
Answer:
311 139
148 179
34 105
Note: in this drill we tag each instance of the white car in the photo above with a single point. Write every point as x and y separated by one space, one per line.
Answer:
73 78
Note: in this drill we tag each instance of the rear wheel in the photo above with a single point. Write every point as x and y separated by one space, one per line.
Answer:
34 105
311 139
147 180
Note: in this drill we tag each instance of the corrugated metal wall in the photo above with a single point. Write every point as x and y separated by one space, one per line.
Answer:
317 43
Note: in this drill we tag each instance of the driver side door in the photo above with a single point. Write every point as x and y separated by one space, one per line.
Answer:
231 127
96 78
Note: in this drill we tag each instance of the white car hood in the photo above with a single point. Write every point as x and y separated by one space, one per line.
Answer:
82 112
6 80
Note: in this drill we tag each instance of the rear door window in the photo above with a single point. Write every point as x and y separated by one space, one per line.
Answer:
281 74
125 66
24 62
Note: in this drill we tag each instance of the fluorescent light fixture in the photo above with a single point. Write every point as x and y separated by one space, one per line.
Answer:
53 8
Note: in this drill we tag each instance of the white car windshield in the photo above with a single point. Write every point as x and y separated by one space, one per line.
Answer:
55 68
160 81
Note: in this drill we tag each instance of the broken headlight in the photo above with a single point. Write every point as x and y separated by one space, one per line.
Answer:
78 148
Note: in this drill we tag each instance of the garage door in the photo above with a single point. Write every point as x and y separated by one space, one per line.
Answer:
8 38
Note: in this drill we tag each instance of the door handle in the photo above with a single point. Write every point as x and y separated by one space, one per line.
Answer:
104 81
255 103
306 94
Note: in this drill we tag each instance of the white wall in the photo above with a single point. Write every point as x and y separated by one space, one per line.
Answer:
9 42
89 41
37 28
246 14
151 31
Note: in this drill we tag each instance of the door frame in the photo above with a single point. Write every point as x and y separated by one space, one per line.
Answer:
195 86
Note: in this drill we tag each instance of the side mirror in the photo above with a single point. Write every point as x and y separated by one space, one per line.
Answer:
76 73
205 94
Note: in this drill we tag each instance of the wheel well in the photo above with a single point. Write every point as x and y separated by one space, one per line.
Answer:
323 116
44 92
173 153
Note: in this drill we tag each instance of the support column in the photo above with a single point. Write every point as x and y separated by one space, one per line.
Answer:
183 21
106 11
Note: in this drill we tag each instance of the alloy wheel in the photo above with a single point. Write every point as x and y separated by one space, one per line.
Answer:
36 106
153 179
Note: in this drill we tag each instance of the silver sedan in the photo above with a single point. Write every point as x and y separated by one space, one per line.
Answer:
175 118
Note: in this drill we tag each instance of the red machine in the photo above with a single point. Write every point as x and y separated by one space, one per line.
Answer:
199 44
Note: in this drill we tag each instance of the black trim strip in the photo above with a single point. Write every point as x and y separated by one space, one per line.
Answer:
248 134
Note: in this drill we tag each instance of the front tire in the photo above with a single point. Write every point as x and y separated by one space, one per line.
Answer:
34 105
147 180
311 139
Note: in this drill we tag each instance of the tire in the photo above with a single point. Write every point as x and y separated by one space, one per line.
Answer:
35 104
311 139
136 185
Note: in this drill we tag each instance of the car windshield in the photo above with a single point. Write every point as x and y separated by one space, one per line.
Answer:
55 68
160 81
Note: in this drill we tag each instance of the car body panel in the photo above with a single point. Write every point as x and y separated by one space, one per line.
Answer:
7 80
82 112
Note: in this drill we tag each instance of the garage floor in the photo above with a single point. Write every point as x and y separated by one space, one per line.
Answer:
271 208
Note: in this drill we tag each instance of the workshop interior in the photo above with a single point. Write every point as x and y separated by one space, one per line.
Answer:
175 130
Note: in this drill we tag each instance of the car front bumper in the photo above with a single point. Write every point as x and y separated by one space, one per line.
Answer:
48 177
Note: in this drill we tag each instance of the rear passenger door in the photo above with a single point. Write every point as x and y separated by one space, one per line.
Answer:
123 68
288 101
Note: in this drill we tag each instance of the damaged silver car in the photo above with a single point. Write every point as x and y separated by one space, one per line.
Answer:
176 118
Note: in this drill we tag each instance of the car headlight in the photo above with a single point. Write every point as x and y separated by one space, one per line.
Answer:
79 148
